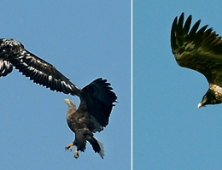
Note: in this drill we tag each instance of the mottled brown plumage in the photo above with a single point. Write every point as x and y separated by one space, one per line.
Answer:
96 102
200 50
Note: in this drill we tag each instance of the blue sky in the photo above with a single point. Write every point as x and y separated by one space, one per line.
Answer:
170 132
84 40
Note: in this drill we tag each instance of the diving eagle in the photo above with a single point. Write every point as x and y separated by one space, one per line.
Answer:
200 50
96 99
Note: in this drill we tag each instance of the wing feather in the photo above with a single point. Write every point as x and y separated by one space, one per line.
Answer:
13 53
200 50
187 25
98 99
37 78
5 67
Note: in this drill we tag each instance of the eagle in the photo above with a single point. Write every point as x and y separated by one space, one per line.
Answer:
200 50
96 99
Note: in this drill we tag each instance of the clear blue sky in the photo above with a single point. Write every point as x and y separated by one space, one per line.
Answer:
84 40
170 132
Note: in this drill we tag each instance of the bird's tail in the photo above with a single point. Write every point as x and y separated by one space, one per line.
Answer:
101 152
97 146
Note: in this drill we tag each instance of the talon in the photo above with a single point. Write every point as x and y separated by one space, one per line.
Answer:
69 147
76 154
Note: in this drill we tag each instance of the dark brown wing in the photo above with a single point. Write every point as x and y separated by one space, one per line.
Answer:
97 99
200 50
38 70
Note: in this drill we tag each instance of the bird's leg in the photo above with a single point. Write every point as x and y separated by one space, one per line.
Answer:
69 146
76 154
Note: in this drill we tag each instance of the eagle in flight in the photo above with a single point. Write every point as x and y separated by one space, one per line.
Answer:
96 99
200 50
92 115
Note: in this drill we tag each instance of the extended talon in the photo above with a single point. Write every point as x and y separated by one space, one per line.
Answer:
69 147
76 154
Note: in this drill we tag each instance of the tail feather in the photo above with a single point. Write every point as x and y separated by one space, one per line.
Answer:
96 145
101 152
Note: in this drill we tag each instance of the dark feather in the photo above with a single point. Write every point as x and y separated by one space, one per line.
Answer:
99 99
5 68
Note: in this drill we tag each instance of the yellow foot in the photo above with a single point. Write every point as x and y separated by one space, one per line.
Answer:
76 154
69 147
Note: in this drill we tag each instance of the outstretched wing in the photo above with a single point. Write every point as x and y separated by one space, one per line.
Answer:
98 99
38 70
200 50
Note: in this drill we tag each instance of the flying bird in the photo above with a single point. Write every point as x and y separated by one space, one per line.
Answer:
13 53
200 50
97 100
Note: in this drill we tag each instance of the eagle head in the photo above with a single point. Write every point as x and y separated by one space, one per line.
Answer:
210 97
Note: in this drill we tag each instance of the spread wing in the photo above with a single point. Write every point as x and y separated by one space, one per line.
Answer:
97 99
200 50
13 53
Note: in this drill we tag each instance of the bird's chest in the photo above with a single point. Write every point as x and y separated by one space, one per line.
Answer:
217 90
77 123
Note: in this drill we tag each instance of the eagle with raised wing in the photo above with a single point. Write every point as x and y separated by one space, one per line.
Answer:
200 50
96 99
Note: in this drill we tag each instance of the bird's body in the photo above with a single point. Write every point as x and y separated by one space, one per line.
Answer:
200 50
79 122
92 116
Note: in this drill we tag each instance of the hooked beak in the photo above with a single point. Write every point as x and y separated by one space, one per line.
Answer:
199 105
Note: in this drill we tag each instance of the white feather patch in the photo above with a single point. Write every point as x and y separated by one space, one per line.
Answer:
50 77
